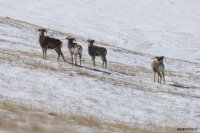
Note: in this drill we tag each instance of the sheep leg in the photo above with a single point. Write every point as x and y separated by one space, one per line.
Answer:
72 58
62 55
105 62
93 60
75 58
160 78
71 54
163 77
102 60
58 57
80 58
159 75
58 54
154 77
45 52
59 50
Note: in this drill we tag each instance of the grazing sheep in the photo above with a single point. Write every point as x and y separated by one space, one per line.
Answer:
159 68
97 51
49 43
74 49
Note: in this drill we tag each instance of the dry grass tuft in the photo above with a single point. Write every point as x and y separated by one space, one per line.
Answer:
86 74
87 121
18 118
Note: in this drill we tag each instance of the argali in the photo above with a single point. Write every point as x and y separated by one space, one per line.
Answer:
97 51
47 42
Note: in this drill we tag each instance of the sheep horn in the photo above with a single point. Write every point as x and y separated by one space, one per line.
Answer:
67 38
90 41
74 39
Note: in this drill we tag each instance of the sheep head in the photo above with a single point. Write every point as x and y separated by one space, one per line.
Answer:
90 42
70 39
42 30
160 58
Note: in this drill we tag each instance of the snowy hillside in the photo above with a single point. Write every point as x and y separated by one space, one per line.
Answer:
123 95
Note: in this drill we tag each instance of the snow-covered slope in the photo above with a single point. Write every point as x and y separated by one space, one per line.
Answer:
173 27
125 92
133 32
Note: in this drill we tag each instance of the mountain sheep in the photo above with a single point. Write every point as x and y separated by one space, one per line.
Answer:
74 49
159 68
97 51
49 43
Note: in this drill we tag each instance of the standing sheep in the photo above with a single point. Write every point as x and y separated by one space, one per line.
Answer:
49 43
159 68
74 49
97 51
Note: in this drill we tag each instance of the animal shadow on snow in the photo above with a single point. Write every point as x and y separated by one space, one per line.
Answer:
92 69
104 72
179 86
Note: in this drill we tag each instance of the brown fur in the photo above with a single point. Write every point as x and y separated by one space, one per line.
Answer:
159 68
97 51
50 43
74 49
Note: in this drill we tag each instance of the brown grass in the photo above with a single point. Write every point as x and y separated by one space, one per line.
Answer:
19 118
85 74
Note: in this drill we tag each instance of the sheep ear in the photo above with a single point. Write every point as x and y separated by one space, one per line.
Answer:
90 41
39 29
